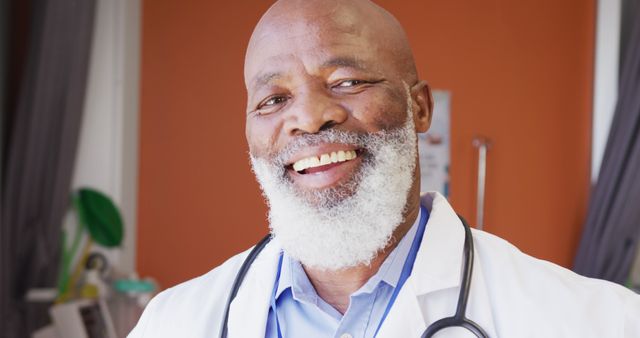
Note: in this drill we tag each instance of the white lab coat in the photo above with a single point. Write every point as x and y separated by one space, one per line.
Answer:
512 294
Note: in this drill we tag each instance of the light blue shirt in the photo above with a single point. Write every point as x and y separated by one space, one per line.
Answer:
302 313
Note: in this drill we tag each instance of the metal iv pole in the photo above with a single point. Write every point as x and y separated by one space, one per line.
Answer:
483 144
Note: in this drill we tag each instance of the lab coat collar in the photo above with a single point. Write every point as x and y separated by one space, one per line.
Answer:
437 267
438 264
254 296
432 289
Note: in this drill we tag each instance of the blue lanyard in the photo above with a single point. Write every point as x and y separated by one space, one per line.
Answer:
404 275
408 264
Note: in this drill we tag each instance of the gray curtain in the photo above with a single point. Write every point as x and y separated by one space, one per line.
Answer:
612 231
4 26
40 159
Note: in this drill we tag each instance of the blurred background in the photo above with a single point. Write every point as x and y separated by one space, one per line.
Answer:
141 103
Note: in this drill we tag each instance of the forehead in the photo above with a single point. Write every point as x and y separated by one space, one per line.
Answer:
287 46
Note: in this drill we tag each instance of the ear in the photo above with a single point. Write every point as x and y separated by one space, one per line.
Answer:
422 106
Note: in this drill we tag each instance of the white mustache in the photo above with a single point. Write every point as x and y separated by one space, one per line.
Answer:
282 157
336 136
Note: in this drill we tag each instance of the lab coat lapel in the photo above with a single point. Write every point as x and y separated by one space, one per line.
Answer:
431 292
250 309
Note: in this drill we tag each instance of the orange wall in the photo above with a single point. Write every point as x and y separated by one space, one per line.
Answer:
520 72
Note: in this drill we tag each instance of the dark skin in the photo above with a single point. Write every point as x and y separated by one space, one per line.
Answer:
317 64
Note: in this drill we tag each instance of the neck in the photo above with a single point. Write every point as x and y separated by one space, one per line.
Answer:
336 286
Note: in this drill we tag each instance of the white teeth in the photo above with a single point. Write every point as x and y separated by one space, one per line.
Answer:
313 162
324 159
334 157
299 165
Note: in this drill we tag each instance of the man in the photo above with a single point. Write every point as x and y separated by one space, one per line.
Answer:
334 105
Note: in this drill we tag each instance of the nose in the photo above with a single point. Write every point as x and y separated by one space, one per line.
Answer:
313 111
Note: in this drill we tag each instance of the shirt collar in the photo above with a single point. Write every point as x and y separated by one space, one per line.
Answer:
293 276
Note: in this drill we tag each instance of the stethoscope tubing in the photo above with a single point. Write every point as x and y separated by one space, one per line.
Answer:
239 278
457 320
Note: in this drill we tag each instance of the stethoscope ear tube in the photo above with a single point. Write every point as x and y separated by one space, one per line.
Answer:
239 278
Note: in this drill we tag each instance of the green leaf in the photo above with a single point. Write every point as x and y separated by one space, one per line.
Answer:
101 217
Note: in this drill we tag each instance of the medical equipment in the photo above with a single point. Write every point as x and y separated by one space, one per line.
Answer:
457 320
483 144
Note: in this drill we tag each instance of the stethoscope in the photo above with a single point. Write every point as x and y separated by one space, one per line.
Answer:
457 320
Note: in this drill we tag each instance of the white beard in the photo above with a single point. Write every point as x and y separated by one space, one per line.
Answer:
348 225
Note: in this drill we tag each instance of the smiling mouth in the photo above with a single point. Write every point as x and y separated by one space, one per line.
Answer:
323 162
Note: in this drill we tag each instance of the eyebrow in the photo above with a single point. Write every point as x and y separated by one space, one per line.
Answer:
345 62
264 79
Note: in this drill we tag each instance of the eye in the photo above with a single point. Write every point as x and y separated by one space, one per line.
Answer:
272 101
349 83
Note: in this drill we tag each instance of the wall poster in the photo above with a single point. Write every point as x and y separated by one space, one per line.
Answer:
434 147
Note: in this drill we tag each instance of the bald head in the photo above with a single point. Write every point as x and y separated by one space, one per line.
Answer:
293 25
311 64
